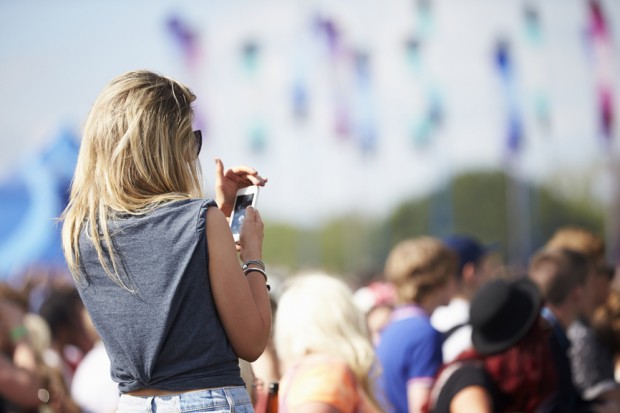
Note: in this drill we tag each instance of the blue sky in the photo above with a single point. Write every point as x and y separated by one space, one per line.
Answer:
56 57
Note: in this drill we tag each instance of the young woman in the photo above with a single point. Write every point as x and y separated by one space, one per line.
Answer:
154 262
326 353
510 368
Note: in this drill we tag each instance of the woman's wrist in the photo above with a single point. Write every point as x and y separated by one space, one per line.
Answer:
225 207
250 255
256 263
255 269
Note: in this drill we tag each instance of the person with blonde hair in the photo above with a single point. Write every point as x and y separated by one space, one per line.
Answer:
154 262
422 271
326 354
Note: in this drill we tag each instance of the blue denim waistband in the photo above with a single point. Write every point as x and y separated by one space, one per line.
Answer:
216 400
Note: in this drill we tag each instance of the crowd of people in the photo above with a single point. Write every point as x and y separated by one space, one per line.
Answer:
166 312
456 334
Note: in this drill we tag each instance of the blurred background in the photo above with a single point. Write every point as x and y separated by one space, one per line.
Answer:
373 120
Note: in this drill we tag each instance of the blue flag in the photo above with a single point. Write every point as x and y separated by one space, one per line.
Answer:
31 200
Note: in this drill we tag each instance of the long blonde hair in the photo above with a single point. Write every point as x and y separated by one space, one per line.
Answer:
138 151
317 315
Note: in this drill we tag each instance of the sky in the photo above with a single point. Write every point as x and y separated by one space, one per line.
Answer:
55 57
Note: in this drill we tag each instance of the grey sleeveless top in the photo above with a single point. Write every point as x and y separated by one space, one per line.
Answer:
166 333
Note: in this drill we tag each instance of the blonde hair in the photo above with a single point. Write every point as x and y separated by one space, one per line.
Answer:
317 315
580 240
138 151
418 266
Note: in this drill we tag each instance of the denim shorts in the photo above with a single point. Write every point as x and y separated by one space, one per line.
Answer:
218 400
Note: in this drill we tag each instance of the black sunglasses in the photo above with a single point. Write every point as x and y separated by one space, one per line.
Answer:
198 136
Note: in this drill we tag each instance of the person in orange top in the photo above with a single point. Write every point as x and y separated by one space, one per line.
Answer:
325 349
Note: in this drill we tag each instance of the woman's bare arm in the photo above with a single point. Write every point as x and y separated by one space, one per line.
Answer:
471 399
242 301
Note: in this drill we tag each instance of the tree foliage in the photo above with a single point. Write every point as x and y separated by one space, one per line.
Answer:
490 205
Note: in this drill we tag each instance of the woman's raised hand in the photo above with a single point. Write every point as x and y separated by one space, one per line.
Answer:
229 181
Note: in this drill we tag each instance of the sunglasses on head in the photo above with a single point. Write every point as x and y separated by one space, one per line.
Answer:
198 136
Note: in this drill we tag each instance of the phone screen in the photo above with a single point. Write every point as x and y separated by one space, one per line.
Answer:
242 202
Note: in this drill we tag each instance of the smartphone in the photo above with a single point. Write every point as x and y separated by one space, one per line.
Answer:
245 197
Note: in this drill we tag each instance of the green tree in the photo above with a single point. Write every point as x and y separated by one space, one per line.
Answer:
482 204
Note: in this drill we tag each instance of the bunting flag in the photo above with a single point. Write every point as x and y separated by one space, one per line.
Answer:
534 39
342 119
258 137
421 128
330 36
601 49
251 56
517 193
426 127
187 42
514 127
303 59
425 21
33 197
426 122
351 84
365 113
532 24
330 33
412 52
186 39
300 100
600 40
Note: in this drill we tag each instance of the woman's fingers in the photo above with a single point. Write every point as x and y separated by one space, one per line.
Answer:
245 176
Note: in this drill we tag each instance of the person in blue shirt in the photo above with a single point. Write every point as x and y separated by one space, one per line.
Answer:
422 271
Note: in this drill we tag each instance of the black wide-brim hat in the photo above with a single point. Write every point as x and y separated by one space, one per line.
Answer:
502 312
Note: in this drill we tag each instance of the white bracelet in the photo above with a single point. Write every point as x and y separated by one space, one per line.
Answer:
248 270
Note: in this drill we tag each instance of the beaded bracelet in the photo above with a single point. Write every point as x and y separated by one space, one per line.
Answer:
248 270
258 263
